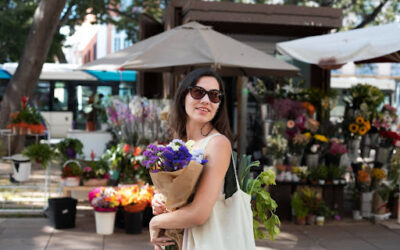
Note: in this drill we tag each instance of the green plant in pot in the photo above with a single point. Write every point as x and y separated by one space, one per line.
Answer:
323 212
41 153
310 200
322 173
313 175
69 148
299 208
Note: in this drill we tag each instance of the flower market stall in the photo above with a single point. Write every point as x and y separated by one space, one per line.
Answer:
337 158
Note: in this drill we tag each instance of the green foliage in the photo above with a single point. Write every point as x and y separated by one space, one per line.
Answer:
336 172
16 18
299 209
323 209
69 148
322 172
40 152
264 206
364 97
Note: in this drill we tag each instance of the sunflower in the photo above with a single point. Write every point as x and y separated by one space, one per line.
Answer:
363 130
353 128
360 120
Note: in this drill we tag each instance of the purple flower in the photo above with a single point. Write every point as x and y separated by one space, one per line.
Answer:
70 152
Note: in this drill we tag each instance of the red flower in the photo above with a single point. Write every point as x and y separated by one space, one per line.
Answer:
126 148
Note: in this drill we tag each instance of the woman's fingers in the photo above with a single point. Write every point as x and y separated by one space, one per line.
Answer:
163 241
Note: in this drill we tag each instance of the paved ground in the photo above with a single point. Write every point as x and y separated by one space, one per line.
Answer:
35 233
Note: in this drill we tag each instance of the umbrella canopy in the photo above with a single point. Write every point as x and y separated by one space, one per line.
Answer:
372 44
194 45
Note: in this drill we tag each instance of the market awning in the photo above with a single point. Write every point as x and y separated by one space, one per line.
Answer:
371 44
4 74
114 76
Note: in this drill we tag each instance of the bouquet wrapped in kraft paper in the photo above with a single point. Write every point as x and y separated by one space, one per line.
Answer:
175 171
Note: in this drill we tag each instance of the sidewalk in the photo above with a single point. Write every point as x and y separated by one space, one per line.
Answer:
35 234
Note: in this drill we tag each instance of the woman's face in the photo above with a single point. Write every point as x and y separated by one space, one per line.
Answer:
202 110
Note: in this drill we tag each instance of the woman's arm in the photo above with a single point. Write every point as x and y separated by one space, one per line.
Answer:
218 154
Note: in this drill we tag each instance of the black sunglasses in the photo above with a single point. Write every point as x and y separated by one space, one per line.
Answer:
198 92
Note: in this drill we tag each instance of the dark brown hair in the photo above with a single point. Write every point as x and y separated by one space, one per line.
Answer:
178 113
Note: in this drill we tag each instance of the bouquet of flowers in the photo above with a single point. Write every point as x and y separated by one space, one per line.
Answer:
277 145
174 170
104 199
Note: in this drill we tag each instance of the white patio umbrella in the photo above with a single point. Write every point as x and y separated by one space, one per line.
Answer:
371 44
194 45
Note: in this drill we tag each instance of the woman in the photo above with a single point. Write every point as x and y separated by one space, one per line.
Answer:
198 113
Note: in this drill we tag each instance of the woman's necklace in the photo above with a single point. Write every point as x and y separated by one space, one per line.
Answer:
201 130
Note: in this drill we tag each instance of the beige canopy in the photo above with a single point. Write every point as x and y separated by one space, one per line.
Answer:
194 45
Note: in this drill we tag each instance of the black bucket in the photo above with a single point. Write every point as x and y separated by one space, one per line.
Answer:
133 222
62 212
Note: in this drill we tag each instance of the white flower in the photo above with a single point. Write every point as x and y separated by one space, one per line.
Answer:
314 148
190 144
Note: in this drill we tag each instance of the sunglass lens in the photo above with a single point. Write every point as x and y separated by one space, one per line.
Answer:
197 93
215 96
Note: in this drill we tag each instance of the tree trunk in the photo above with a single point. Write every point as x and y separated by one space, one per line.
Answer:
37 45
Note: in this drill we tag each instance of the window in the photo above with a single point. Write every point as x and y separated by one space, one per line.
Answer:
367 69
127 43
117 44
60 102
95 51
395 69
41 97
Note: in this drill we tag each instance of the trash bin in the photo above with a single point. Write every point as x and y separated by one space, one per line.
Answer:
62 212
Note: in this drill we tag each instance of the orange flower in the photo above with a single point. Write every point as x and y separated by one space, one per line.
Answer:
363 176
309 107
136 151
367 124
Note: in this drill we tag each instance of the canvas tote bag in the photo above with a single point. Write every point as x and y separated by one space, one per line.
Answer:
229 227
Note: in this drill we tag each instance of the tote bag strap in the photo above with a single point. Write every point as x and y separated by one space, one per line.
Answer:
234 170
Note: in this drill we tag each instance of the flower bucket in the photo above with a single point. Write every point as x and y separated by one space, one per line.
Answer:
383 154
104 222
312 160
133 222
95 182
71 181
354 146
21 167
366 204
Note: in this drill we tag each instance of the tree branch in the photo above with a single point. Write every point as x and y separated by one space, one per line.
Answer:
371 17
120 13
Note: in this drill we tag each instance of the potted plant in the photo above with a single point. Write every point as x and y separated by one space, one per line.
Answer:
105 201
27 120
95 173
323 211
322 173
299 209
134 199
40 153
71 173
69 148
310 200
313 175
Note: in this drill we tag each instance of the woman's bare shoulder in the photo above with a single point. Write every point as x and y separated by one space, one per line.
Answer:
218 144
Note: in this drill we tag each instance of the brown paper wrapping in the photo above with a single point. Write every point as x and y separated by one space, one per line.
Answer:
378 204
177 187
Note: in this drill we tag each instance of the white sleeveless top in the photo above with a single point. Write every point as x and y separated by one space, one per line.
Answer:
186 230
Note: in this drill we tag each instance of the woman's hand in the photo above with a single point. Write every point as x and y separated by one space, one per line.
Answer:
158 204
157 238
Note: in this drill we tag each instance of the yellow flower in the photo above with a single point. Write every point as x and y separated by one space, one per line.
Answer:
321 138
353 128
308 135
363 130
378 173
360 120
